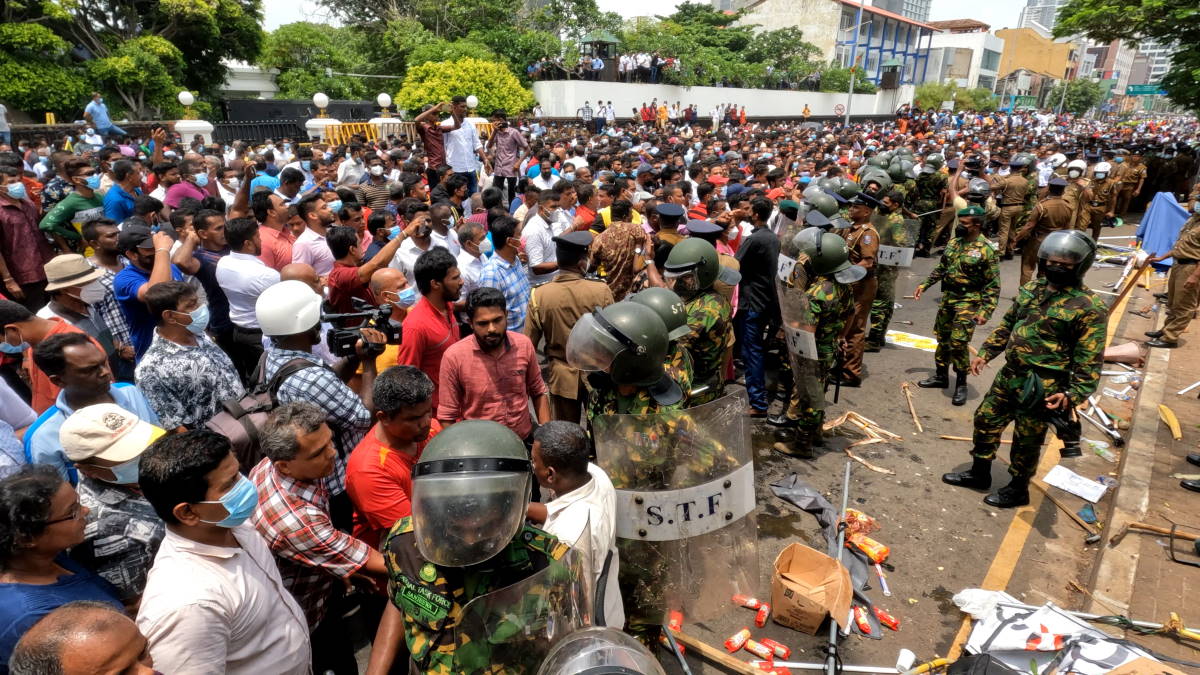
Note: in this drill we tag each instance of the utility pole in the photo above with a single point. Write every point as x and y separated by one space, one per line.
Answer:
853 61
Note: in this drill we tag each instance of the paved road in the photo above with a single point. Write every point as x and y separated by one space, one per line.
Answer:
942 540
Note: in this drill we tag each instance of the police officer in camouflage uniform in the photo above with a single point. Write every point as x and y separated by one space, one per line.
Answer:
465 538
1052 339
892 232
691 270
826 260
927 196
671 310
969 272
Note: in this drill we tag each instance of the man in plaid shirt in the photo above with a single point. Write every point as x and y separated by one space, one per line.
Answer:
506 272
293 517
101 237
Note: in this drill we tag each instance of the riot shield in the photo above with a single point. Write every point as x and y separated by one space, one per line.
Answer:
685 495
897 242
516 626
791 284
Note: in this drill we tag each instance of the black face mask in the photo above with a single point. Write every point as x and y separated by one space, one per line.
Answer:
1060 276
961 232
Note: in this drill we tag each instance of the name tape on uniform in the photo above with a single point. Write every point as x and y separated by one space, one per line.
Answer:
668 515
895 256
784 270
925 344
802 343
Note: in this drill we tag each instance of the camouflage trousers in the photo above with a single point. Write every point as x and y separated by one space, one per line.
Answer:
953 329
883 305
1000 406
806 404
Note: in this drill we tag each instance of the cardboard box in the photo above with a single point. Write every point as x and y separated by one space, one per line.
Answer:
807 586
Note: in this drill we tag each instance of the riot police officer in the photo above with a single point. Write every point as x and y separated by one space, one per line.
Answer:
691 271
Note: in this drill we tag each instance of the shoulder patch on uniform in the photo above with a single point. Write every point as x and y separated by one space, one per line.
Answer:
866 239
974 253
428 573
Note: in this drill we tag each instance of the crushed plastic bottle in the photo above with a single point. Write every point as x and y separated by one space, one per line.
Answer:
1102 449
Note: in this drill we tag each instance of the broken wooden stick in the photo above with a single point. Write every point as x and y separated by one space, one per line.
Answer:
911 408
965 438
860 460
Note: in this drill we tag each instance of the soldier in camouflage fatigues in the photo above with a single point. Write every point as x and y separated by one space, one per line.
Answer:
1052 338
711 318
893 232
927 196
432 598
830 304
969 272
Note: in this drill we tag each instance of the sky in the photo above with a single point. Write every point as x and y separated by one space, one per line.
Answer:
996 13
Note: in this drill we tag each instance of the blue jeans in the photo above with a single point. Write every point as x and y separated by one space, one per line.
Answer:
6 137
472 181
113 130
750 325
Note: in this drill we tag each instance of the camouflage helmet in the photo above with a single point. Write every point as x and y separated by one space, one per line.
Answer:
824 203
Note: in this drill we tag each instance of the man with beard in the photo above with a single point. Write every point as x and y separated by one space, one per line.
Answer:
431 327
492 374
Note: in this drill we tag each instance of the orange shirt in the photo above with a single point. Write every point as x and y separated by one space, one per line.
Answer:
379 482
44 391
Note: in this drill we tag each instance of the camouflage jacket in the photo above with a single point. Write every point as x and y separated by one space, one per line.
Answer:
604 399
710 317
927 194
1061 331
892 231
969 271
829 305
1031 196
679 367
432 599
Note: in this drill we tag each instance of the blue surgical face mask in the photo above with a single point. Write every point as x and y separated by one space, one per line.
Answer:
199 318
126 473
1196 206
239 503
93 181
407 297
1118 160
306 165
201 179
16 190
335 205
6 348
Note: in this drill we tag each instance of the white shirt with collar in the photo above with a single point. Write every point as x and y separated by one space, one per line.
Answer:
538 236
592 506
405 259
448 241
546 183
244 277
461 146
470 268
219 609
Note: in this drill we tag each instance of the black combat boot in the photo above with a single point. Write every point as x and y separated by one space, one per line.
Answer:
782 420
960 388
939 380
978 477
1010 496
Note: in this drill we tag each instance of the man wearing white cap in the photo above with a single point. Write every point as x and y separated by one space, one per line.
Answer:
105 443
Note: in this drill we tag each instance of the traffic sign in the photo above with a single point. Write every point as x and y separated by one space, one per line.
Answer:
1144 90
839 109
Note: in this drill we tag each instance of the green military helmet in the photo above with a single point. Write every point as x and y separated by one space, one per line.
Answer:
886 157
876 160
824 203
627 340
1073 245
1020 160
828 183
935 159
905 152
880 177
828 255
470 491
896 170
811 191
846 187
978 189
669 308
696 257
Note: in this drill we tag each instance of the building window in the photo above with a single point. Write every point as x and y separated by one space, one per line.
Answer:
987 82
991 60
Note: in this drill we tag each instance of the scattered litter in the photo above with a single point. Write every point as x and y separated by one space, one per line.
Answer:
1186 476
925 344
1088 513
1116 394
1101 449
1188 388
1168 417
1065 479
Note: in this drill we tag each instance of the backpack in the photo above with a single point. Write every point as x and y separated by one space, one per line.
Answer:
241 418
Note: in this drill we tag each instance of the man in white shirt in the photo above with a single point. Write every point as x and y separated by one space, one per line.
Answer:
546 177
411 248
242 274
464 150
214 601
471 238
584 503
538 237
353 168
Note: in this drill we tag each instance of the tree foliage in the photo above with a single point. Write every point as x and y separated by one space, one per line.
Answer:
303 51
931 95
1082 96
140 53
838 80
491 82
1167 21
35 72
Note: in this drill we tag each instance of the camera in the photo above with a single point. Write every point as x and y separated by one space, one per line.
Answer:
346 329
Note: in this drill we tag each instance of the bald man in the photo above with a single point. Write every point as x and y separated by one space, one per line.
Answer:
390 285
82 638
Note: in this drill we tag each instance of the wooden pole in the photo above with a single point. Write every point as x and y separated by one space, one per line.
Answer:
911 408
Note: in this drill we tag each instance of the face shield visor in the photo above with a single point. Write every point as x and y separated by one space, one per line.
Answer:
685 282
594 344
599 651
466 510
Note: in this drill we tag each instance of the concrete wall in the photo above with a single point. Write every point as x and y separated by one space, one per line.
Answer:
1025 48
818 19
976 43
563 98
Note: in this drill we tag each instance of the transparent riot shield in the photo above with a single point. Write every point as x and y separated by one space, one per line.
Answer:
898 241
515 627
791 284
685 494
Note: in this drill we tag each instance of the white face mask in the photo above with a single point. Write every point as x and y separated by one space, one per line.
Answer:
377 170
92 293
1073 173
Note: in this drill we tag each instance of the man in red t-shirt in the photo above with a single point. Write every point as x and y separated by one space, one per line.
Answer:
348 280
432 135
379 471
431 325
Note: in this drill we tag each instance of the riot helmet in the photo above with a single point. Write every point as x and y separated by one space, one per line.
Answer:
1073 246
1076 167
691 267
1102 170
599 651
978 190
828 254
668 306
824 203
627 340
469 493
846 188
811 191
935 159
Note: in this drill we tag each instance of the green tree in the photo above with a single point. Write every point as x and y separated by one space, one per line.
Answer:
838 80
1169 21
447 50
493 83
1082 96
35 73
931 95
302 52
